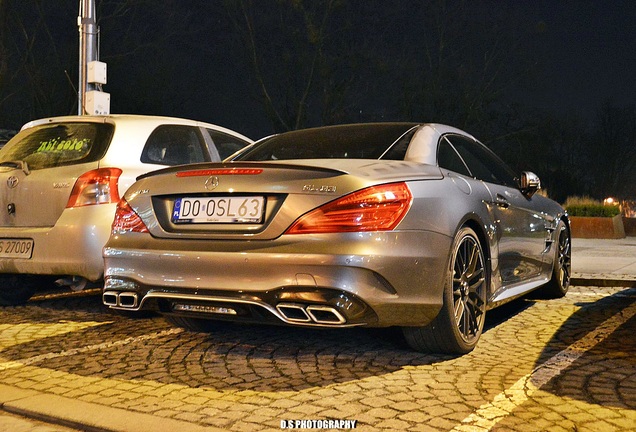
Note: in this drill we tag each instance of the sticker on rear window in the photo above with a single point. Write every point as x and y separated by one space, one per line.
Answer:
57 145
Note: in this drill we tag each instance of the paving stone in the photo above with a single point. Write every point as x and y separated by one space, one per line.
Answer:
405 406
190 417
382 413
376 402
418 417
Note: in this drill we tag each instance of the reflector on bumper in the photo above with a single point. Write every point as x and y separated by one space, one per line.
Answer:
179 307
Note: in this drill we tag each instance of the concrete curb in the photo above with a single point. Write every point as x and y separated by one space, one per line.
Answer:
603 282
603 279
86 416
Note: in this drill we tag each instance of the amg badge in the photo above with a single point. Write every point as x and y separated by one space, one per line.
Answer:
319 188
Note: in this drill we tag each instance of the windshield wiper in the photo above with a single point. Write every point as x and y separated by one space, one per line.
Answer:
17 165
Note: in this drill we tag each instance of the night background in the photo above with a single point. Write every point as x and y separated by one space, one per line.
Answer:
548 85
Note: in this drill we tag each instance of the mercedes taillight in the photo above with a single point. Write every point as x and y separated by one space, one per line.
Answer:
127 220
376 208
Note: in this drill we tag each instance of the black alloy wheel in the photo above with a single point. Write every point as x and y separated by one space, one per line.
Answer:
469 279
459 324
559 284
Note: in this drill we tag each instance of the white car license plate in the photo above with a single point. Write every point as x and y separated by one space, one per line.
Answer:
16 248
235 209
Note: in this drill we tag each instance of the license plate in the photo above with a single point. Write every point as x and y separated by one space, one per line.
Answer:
16 248
235 209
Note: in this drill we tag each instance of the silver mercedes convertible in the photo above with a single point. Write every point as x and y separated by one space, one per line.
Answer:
418 226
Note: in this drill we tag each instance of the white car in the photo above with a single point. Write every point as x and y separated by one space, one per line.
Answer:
61 179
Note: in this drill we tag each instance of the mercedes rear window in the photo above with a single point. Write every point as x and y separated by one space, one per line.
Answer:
51 145
362 141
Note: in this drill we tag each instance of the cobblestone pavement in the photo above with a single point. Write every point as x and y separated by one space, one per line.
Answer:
559 365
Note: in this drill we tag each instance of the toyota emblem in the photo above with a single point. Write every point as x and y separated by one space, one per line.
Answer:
12 182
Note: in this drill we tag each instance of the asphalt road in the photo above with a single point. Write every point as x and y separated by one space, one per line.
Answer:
567 364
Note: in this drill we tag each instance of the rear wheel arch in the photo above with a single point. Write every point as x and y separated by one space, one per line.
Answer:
561 274
459 324
484 240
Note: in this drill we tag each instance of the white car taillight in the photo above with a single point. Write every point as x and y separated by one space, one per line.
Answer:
95 187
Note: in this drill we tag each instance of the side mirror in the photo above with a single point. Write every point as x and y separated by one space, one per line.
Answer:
530 183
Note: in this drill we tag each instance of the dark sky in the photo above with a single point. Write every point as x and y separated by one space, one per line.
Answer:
588 52
583 54
580 54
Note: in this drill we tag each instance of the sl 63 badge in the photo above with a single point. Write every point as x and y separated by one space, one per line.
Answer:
319 188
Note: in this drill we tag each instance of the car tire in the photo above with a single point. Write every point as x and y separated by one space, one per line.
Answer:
17 289
198 325
459 324
559 284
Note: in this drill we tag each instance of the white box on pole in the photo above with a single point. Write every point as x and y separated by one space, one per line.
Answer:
96 72
97 103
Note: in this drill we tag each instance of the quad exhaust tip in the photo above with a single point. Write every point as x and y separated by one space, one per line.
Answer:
317 314
291 312
128 300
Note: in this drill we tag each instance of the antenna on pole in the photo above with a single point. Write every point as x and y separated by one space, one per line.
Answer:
92 73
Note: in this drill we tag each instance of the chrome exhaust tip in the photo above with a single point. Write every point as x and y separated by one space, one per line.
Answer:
325 315
128 300
313 314
109 298
293 312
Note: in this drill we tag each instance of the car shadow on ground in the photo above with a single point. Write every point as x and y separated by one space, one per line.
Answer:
232 357
599 348
501 314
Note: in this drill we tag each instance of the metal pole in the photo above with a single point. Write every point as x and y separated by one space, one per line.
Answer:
87 49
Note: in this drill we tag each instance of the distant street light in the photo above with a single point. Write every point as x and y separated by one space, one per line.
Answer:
610 201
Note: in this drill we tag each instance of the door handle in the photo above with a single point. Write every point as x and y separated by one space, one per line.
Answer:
500 201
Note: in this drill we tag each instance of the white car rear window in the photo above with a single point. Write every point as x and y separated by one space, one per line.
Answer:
52 145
